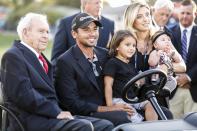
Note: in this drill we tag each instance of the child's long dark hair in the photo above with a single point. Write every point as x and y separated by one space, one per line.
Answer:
118 37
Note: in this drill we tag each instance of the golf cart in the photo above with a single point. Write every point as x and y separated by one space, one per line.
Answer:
188 122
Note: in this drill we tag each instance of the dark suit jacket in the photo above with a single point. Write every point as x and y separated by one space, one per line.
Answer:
75 83
28 89
191 63
63 39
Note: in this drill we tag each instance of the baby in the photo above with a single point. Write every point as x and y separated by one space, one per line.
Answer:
164 54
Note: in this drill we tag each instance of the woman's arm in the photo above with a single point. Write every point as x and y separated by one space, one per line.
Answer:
108 83
153 59
178 63
179 67
175 56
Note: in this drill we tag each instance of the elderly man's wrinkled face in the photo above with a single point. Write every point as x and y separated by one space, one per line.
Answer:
37 35
161 16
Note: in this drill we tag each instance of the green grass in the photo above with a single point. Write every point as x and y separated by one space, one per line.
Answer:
6 40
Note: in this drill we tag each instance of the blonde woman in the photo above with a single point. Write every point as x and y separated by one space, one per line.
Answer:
137 19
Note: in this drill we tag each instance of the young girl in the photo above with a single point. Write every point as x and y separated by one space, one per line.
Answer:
119 70
164 54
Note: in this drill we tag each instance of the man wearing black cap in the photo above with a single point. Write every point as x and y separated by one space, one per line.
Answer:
78 76
28 87
63 39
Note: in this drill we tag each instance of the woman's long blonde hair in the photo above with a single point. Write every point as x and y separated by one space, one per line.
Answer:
130 15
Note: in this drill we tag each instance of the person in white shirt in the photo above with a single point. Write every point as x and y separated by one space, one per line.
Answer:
184 39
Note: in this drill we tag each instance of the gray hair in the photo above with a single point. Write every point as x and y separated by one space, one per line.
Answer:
25 22
164 3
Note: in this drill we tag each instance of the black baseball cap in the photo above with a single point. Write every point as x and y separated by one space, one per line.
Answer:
82 20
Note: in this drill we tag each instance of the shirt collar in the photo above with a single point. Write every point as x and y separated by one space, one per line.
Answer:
189 29
94 58
29 47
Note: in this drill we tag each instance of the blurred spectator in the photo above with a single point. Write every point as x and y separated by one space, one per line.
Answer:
162 11
173 20
3 14
184 39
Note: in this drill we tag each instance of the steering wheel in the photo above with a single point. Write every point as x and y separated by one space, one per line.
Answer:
140 91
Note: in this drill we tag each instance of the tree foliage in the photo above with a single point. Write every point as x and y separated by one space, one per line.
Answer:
17 13
72 3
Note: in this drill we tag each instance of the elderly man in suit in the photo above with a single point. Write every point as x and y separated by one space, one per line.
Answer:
162 11
63 39
27 81
184 37
78 77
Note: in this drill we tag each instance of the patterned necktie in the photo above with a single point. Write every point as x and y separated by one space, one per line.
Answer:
96 68
184 45
45 65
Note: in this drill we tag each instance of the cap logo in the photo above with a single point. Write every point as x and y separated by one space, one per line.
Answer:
82 20
86 17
